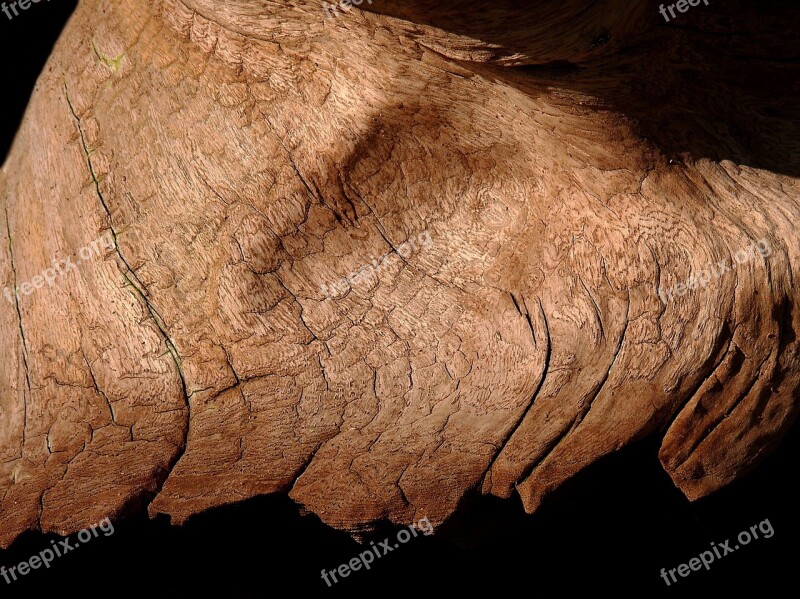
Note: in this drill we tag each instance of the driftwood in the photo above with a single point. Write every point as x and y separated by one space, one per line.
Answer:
382 260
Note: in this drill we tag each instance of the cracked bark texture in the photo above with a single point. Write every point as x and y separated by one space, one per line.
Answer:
566 159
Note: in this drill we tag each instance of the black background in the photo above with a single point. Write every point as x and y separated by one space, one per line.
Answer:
612 528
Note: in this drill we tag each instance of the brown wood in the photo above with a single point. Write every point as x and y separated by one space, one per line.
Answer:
555 166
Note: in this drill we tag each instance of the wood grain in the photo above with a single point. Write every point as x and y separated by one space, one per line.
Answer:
567 160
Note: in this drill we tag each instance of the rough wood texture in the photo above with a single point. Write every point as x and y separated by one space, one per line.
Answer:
566 159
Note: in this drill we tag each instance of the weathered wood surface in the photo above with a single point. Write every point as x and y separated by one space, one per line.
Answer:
557 166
